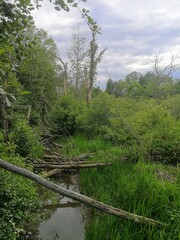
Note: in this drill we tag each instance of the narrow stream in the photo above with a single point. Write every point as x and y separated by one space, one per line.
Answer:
66 220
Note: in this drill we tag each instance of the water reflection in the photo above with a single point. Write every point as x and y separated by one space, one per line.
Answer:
66 219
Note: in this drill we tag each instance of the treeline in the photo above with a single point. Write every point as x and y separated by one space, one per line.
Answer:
149 85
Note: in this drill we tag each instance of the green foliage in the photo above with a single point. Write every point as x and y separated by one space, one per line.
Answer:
26 140
173 105
38 72
144 128
99 113
67 116
18 198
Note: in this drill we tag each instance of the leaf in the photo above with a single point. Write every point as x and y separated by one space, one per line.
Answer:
25 93
12 96
2 51
8 102
2 92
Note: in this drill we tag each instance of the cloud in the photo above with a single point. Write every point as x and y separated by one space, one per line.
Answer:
132 31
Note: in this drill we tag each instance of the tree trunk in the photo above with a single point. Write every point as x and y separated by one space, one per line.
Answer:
77 196
92 68
29 113
4 118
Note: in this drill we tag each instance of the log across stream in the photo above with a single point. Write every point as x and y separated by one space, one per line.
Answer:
65 220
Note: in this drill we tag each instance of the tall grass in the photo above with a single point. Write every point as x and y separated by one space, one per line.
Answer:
148 189
137 189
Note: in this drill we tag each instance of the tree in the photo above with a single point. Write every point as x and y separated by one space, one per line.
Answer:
95 58
133 76
38 72
14 20
64 74
77 55
110 86
161 68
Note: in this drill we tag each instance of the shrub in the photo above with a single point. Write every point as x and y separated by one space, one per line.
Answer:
26 140
165 143
144 128
99 113
19 198
173 105
67 116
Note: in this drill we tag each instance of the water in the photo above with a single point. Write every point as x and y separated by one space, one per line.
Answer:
66 220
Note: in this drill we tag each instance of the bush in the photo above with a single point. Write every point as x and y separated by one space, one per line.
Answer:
173 105
19 198
165 143
67 116
26 140
99 113
143 128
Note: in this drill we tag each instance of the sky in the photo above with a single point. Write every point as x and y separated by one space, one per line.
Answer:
133 32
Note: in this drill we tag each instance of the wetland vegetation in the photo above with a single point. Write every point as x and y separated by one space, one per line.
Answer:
134 123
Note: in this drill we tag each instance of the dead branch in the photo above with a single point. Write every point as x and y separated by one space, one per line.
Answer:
71 165
51 173
77 196
62 162
64 158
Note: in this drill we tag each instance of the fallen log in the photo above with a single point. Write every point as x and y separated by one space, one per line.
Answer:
54 156
55 171
71 165
82 157
51 173
64 158
62 162
77 196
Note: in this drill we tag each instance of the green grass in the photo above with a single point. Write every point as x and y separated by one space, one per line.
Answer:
101 150
148 189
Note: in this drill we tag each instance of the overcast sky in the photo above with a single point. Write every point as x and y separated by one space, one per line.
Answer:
133 31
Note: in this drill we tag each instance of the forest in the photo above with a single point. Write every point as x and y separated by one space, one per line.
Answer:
133 125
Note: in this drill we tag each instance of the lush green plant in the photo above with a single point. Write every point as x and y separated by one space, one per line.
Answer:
26 140
98 116
18 198
67 116
143 128
173 105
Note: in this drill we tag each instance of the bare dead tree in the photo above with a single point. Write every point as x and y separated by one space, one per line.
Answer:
165 69
77 55
65 74
95 58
